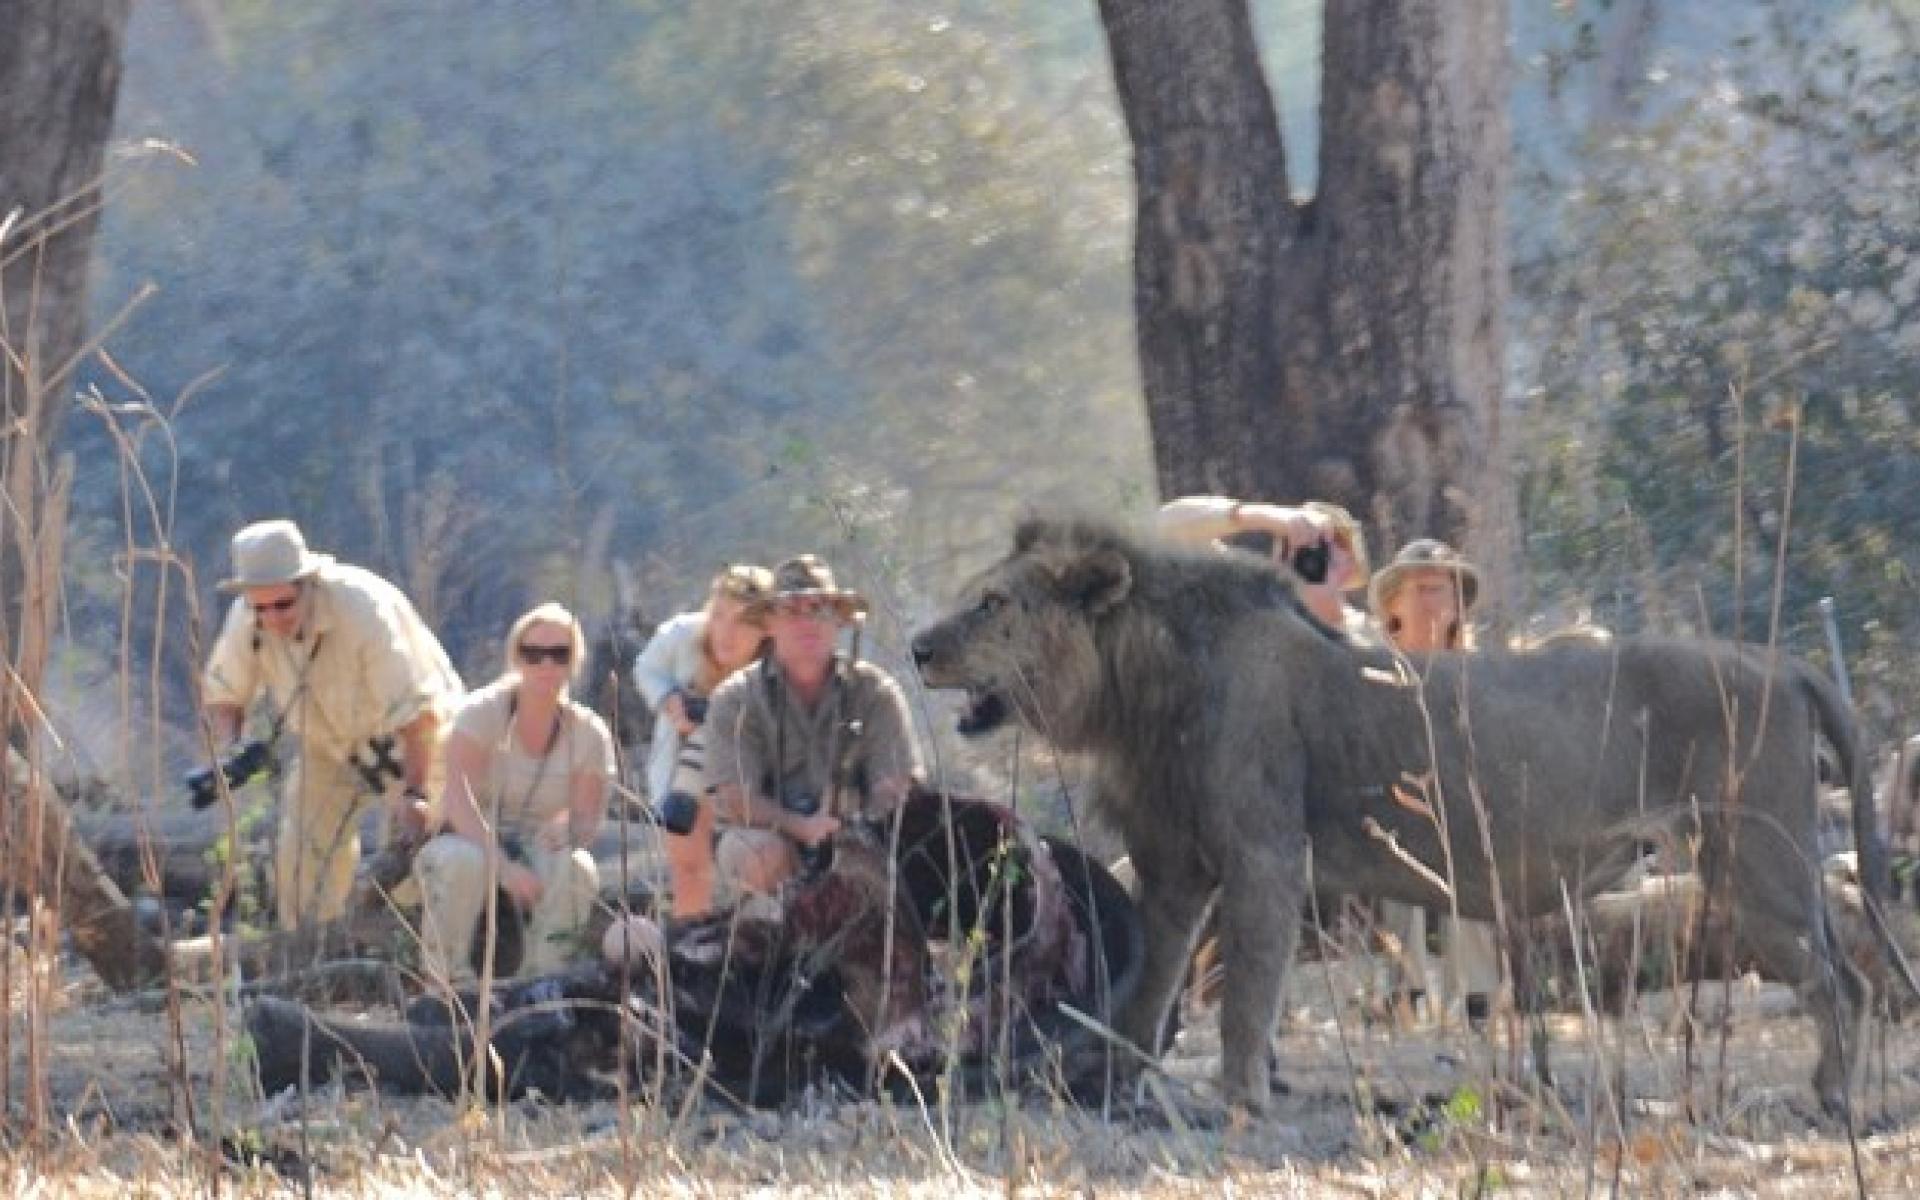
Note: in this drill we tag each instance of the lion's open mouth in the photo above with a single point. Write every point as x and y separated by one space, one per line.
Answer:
984 713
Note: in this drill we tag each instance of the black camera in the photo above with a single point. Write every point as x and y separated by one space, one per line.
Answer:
248 762
814 859
695 707
1310 562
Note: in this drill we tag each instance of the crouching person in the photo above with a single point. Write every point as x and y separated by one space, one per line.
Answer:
527 771
804 739
357 685
677 672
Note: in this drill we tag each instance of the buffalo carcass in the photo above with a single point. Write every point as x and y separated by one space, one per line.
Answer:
955 939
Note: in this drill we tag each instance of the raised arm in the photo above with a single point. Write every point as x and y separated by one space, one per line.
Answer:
1205 518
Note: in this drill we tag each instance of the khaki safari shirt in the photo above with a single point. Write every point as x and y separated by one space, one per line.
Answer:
761 737
531 789
365 664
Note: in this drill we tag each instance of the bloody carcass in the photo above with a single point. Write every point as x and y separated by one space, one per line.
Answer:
955 939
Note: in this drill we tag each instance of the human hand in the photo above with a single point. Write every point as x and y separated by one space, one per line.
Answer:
408 816
522 884
555 836
813 829
675 708
1290 527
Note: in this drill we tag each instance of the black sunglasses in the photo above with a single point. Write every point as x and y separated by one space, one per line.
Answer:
559 656
274 606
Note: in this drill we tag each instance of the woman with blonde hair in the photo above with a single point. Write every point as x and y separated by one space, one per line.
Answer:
687 658
527 772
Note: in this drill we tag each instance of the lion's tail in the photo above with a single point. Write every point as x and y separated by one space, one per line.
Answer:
1876 879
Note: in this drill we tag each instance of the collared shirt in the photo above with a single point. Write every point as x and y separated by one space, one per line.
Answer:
1361 627
763 738
528 789
363 664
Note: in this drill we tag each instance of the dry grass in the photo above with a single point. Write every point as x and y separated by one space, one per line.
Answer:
1480 1127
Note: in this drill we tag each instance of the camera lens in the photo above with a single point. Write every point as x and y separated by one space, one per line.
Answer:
678 813
1310 562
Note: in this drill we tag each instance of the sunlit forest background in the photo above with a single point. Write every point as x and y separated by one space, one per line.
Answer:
582 300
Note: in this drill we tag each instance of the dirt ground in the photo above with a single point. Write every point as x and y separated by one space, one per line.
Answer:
1370 1111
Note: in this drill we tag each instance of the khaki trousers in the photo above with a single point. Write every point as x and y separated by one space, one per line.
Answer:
1470 956
318 844
455 879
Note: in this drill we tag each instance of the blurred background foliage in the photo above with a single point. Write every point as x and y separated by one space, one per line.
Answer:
509 303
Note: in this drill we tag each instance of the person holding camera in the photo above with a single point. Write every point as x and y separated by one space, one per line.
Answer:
528 770
686 659
806 739
1320 542
354 677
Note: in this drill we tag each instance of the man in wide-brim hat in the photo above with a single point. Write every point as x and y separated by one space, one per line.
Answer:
357 682
806 738
1421 599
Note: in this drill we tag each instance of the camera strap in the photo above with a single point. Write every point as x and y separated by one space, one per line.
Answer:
505 747
278 714
778 697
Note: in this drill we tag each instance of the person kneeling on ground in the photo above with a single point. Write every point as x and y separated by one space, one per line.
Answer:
526 792
677 672
804 739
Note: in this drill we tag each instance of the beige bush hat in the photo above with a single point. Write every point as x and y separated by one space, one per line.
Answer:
268 553
1424 554
806 576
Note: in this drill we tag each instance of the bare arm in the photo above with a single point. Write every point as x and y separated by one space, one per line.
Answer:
887 795
227 721
467 763
1204 518
416 743
731 803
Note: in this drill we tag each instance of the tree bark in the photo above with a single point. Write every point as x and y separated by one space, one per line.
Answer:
59 83
1213 226
1348 347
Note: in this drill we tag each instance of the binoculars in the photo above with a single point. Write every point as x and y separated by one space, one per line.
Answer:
249 761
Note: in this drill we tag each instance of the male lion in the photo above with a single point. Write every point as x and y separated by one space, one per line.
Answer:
1229 729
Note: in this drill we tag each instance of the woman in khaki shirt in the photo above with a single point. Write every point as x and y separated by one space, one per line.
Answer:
526 791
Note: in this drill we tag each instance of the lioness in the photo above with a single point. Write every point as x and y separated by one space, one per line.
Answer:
1229 728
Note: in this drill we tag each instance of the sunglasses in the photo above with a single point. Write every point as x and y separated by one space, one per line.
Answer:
533 655
277 606
813 607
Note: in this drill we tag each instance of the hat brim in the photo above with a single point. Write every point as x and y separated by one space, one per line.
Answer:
848 605
309 567
1387 581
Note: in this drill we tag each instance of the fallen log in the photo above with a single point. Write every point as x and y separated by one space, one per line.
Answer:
1654 936
45 858
188 847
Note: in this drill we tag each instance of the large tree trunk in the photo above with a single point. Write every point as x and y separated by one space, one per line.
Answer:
1349 347
59 81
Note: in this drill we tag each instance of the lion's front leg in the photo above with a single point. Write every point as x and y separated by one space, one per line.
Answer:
1171 901
1259 925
